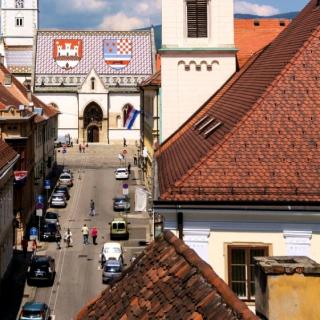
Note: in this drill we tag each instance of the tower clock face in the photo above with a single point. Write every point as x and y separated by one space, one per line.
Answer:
19 4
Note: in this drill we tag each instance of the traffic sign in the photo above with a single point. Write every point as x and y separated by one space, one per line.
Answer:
39 205
39 212
33 233
125 189
47 184
40 199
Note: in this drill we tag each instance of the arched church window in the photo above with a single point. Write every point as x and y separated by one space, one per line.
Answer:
197 18
93 80
126 112
92 114
19 4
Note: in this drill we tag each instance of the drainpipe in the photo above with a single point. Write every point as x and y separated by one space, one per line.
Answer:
108 108
180 224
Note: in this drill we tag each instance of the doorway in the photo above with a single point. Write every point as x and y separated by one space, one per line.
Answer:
93 134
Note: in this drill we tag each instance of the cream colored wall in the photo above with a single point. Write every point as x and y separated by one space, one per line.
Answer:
220 25
219 240
183 92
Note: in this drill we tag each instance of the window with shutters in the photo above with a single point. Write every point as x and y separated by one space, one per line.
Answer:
197 18
241 269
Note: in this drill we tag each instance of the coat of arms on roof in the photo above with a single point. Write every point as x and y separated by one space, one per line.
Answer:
117 52
67 53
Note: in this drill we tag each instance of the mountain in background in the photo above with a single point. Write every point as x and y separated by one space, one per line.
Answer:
289 15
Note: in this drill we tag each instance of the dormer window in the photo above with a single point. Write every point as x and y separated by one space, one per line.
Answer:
197 18
19 4
93 80
8 80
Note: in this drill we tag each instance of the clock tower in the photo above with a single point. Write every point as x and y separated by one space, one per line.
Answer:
197 56
19 21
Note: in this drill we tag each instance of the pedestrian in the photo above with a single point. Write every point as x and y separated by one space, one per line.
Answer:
68 238
94 235
135 160
58 239
124 142
92 208
129 168
84 149
85 234
80 147
24 245
34 246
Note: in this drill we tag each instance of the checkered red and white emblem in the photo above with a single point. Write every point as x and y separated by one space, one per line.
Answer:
124 46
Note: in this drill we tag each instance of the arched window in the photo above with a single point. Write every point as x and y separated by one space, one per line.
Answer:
92 114
126 112
93 80
19 4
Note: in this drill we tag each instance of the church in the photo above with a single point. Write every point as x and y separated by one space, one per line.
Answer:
91 77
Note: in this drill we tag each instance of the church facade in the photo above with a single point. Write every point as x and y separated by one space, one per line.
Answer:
92 77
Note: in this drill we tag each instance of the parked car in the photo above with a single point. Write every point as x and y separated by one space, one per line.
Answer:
121 203
41 270
121 173
112 270
35 311
111 250
51 217
49 232
58 200
119 229
62 189
66 179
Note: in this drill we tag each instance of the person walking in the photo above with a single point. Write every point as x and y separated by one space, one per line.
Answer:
129 168
85 234
80 147
68 238
58 239
135 160
34 246
94 235
124 142
92 208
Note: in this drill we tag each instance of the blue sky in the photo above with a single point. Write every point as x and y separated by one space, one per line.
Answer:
133 14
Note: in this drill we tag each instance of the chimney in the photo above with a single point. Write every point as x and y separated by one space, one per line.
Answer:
287 288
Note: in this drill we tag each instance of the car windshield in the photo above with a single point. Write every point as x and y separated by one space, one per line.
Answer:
122 170
119 226
112 250
108 268
50 227
57 196
31 314
40 264
51 215
64 176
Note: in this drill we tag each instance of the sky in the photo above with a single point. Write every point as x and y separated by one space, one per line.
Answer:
133 14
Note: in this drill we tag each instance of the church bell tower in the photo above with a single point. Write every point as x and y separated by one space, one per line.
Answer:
197 56
19 21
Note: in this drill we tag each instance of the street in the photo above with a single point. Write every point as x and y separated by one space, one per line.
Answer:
78 272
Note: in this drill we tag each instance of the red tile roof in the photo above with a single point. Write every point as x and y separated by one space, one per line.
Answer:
168 281
7 154
266 148
154 80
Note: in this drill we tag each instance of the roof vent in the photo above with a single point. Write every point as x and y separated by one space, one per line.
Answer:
200 121
206 124
256 23
282 23
210 131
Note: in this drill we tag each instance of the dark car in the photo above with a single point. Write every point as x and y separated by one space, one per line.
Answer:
51 217
35 311
112 270
121 203
41 270
62 189
49 232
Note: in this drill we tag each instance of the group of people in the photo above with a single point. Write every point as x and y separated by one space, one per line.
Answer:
93 233
82 147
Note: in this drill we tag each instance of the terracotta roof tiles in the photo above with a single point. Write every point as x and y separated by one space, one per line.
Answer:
7 154
266 146
168 281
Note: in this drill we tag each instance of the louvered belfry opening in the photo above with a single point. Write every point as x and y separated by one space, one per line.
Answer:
197 18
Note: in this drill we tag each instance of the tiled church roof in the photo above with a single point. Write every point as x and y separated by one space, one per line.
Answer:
140 64
19 59
266 146
168 281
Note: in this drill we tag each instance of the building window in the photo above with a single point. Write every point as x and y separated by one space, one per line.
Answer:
93 83
19 22
19 4
241 269
197 18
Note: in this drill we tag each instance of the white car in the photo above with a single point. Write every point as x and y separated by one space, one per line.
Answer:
58 200
121 173
111 250
66 179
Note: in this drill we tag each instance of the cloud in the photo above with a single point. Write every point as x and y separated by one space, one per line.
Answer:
121 21
84 5
256 9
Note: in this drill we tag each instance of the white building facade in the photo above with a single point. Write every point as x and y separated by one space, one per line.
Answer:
197 56
19 22
92 77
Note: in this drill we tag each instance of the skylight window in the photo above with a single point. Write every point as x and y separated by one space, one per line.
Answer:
209 131
200 121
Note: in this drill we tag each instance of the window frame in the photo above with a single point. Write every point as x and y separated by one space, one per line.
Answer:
198 20
247 248
22 22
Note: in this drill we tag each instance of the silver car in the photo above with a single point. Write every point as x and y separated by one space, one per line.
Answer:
112 270
58 200
66 179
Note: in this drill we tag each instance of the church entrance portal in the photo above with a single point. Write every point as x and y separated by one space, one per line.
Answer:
92 120
93 134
